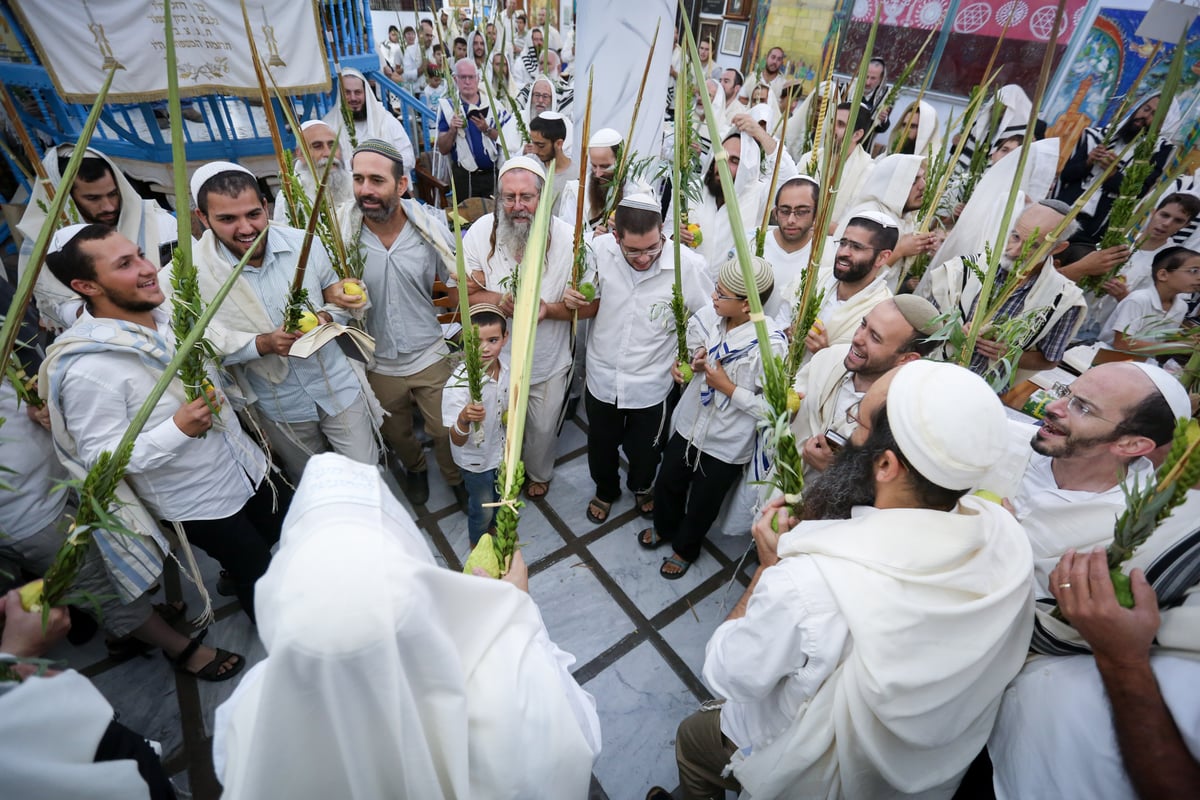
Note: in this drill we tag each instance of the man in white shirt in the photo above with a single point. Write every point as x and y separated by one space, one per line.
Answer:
868 655
731 84
494 248
192 465
788 246
405 250
631 346
304 405
891 334
858 167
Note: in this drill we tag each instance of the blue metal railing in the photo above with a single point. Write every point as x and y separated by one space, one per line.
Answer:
231 127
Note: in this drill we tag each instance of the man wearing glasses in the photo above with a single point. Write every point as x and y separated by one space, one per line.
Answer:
631 347
470 142
788 245
494 248
855 285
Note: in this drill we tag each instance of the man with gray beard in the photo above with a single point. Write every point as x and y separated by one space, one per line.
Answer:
493 248
1054 304
322 146
406 249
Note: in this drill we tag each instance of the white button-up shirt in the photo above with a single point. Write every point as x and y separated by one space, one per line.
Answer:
631 345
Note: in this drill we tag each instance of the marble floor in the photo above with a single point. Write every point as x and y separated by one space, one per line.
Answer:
638 639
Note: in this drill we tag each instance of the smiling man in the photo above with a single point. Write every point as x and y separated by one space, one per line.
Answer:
892 333
305 405
406 250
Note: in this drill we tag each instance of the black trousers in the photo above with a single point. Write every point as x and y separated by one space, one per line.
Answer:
480 183
688 494
242 542
640 432
119 744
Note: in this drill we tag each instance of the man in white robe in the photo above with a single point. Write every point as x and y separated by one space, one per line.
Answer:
868 655
101 193
371 119
322 144
417 681
788 246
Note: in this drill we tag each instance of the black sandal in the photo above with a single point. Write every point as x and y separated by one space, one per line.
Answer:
212 670
640 499
601 506
651 542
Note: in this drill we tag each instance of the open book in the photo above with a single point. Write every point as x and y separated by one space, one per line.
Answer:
354 343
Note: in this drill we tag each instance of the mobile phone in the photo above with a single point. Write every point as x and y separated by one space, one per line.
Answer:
835 440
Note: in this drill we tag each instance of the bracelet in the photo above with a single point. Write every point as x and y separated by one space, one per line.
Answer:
459 430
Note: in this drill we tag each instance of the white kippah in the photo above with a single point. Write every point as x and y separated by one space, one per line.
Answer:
879 217
947 422
523 162
1169 387
312 122
642 200
63 235
605 137
210 170
551 115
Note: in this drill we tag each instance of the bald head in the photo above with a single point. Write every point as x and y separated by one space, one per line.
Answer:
321 141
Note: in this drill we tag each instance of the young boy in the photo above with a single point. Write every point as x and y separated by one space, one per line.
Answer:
477 452
1156 309
714 427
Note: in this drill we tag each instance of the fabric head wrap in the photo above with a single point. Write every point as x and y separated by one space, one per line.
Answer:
64 235
731 276
523 162
605 137
642 200
947 422
1169 387
380 147
918 312
211 170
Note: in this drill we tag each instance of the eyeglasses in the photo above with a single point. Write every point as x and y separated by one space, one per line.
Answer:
510 200
856 247
646 252
1076 405
543 96
717 293
783 212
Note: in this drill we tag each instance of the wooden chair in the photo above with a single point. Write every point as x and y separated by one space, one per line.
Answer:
442 298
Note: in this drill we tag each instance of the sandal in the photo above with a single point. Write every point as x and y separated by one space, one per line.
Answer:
651 542
676 561
640 501
212 670
600 515
537 489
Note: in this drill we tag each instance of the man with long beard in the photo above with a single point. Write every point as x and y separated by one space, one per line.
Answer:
1092 155
604 153
405 250
371 119
1057 301
868 655
494 248
322 146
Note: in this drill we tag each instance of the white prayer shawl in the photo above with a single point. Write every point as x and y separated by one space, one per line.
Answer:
855 173
418 681
51 727
951 283
927 138
805 111
380 124
819 382
133 562
939 610
1014 121
979 223
462 146
142 222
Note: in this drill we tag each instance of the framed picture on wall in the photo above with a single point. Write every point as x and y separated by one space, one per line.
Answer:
733 39
738 9
710 31
712 7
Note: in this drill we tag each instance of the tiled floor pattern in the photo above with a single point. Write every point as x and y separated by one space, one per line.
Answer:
638 639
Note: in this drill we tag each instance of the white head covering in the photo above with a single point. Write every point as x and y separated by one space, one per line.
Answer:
311 122
1169 387
891 182
605 137
212 169
523 162
927 136
947 421
642 200
64 235
416 681
875 216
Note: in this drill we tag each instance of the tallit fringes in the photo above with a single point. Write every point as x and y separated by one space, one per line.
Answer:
192 573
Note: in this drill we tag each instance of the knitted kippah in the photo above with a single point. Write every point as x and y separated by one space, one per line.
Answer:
385 149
